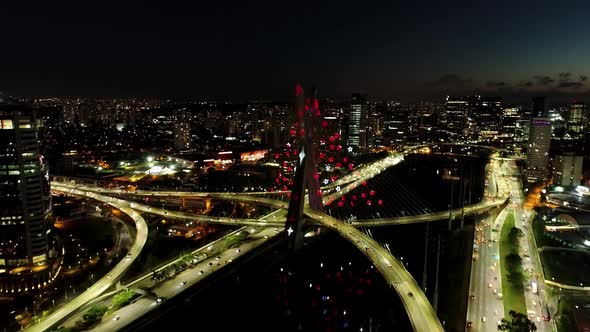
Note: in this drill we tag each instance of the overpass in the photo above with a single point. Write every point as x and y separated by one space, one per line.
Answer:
108 280
277 222
421 314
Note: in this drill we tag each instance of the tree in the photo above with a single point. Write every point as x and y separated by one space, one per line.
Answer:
94 314
515 235
518 323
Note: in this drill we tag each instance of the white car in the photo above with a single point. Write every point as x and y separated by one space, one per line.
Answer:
116 318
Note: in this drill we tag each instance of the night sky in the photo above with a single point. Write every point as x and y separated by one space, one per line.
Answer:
260 49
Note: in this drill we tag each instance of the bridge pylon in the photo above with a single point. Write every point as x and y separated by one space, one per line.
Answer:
306 174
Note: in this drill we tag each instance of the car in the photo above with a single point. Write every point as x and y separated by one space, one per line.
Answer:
266 236
238 250
201 272
472 297
489 285
182 283
210 264
469 325
217 258
116 318
108 276
483 319
410 294
159 300
128 256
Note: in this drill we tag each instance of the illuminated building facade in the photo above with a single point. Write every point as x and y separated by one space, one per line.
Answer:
27 245
457 115
576 119
568 170
182 130
539 142
358 122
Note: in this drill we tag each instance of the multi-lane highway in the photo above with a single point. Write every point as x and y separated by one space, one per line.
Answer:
485 307
486 281
183 281
468 210
442 215
108 280
421 314
530 263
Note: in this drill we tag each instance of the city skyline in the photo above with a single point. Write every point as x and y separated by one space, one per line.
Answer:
326 166
261 50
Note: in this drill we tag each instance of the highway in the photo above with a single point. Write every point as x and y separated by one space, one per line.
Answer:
436 216
486 270
112 276
441 215
485 281
421 314
174 286
523 220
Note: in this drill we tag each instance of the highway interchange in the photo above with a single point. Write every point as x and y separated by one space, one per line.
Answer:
111 278
420 312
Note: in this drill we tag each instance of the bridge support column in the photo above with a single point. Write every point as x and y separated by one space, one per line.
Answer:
425 272
435 296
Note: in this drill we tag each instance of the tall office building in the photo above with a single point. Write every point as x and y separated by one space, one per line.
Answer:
576 119
396 128
539 142
487 114
358 122
182 130
457 115
27 246
510 117
568 170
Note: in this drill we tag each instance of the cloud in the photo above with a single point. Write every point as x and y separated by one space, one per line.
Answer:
543 80
564 77
572 85
495 84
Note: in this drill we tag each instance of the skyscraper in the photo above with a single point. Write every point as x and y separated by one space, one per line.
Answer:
539 142
27 245
457 115
576 119
182 130
358 122
486 116
568 170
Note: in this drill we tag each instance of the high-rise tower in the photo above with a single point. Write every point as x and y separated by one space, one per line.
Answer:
27 245
182 130
539 142
358 122
576 119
